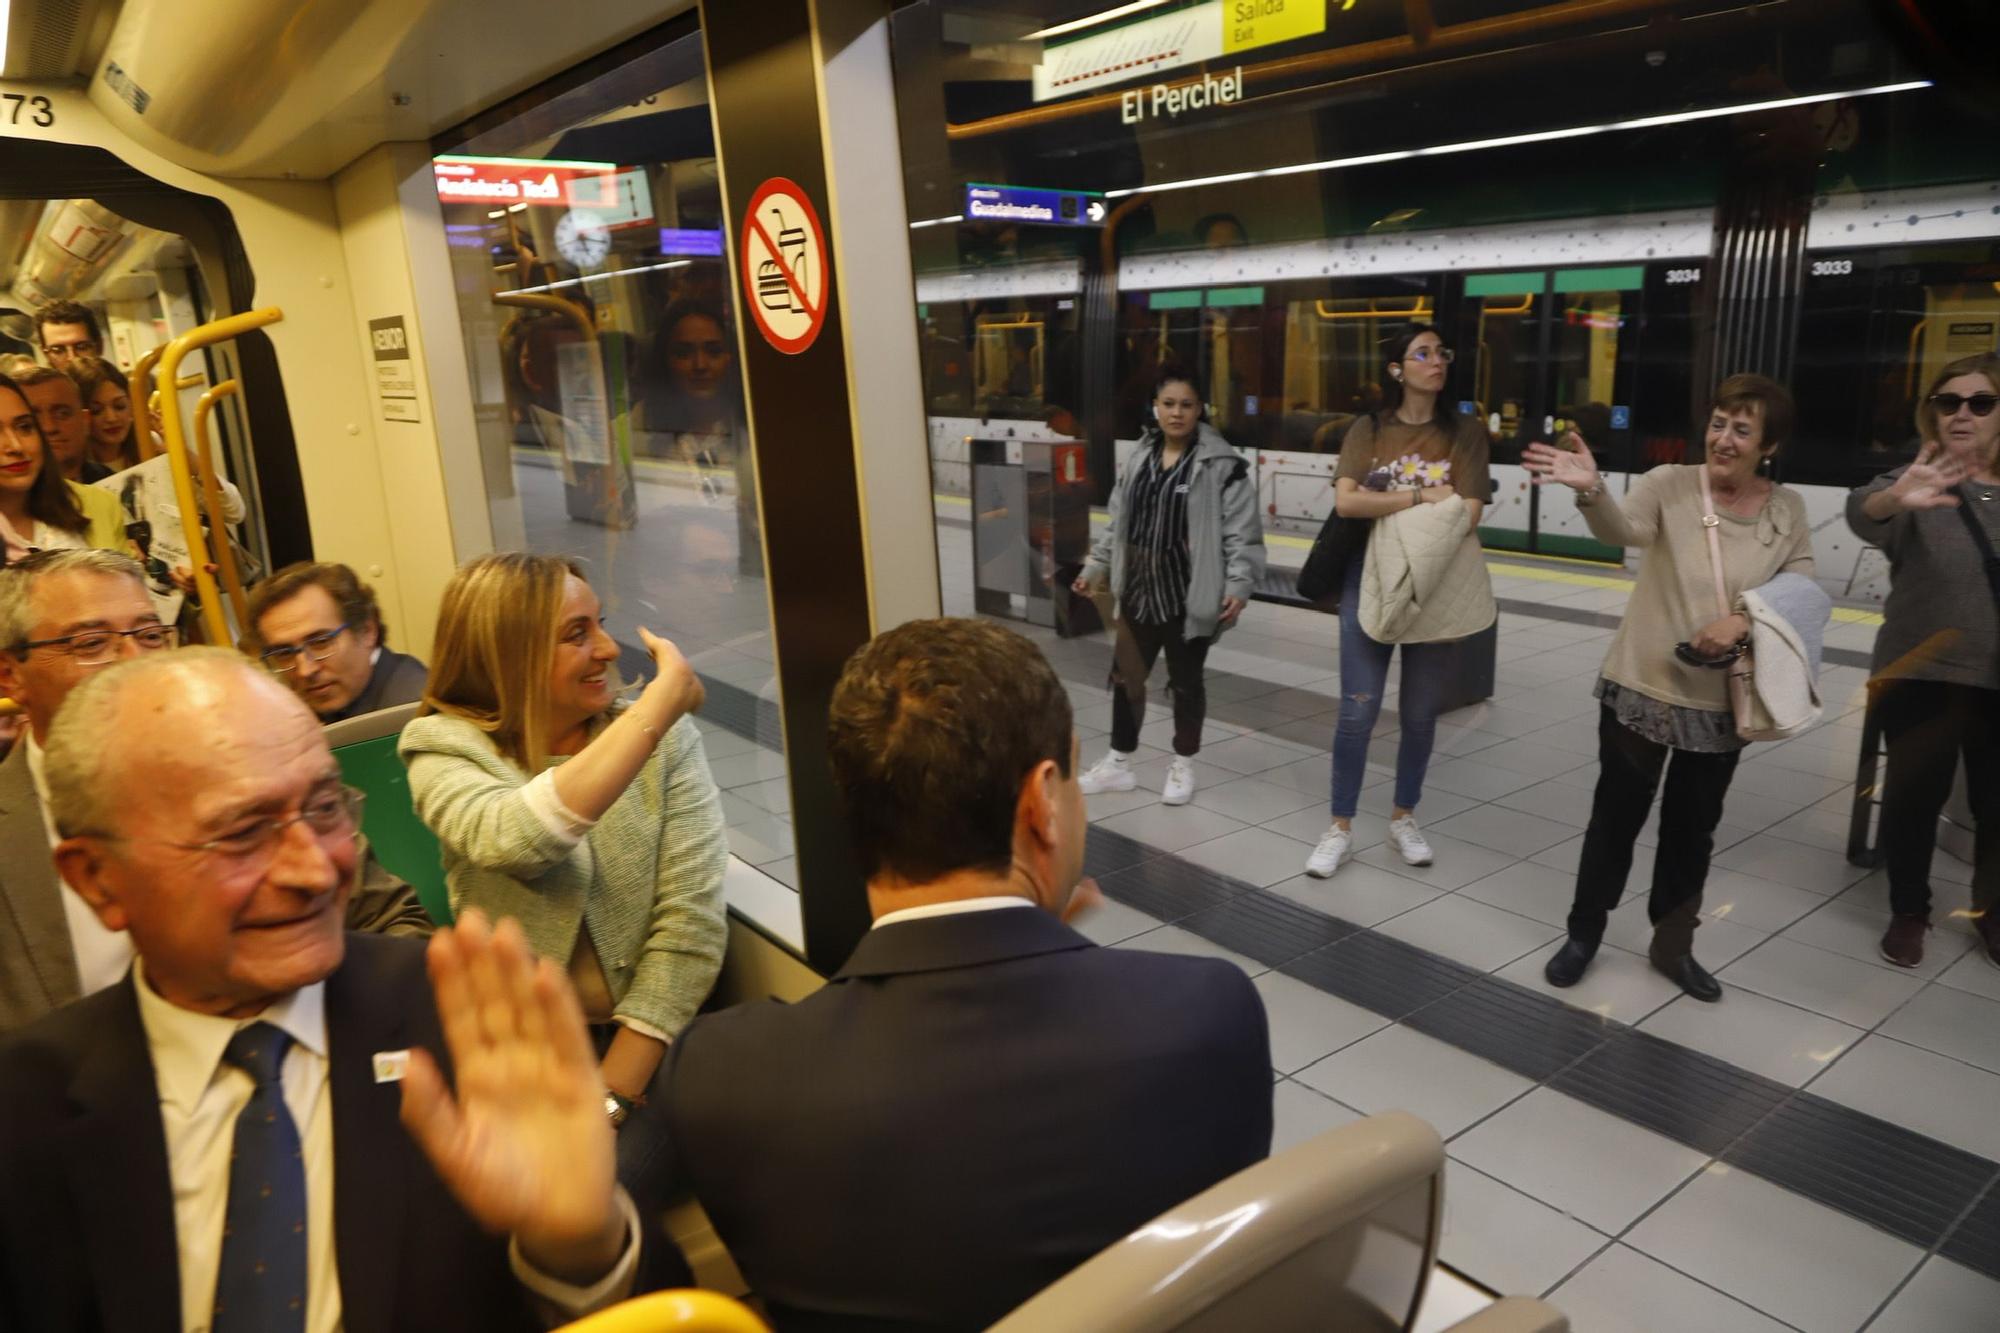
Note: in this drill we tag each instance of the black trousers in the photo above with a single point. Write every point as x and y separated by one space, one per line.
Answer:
1629 768
1139 646
1926 726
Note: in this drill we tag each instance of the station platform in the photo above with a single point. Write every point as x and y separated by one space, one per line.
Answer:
1817 1151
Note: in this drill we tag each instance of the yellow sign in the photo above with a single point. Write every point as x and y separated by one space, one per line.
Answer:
1250 23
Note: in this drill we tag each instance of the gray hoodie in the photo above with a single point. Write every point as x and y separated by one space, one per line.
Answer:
1222 519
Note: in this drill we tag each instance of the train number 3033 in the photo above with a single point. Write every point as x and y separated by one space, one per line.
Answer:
41 112
1832 268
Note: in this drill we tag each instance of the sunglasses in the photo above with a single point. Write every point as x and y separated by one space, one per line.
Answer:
1947 404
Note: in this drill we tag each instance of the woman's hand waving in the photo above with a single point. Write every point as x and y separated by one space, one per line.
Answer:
1572 466
1928 482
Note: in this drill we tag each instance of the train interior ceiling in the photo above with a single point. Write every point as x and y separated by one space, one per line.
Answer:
502 303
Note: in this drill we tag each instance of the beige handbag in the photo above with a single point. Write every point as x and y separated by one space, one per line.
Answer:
1752 722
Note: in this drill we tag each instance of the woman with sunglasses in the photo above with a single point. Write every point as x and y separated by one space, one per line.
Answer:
1414 450
588 817
40 510
1935 682
1664 685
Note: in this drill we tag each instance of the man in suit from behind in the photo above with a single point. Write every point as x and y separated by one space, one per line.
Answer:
213 1143
64 617
981 1098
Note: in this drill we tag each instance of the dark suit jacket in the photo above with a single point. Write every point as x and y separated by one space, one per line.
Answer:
37 964
397 678
87 1240
972 1107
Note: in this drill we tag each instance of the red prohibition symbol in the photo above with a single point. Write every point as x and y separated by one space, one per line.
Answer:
785 273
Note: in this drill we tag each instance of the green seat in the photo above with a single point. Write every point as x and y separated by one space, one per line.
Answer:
365 748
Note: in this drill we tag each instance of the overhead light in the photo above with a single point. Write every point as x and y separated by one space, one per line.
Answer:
1093 20
936 222
497 213
593 277
1515 140
517 208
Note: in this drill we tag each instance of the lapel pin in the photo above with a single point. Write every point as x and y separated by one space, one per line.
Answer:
390 1065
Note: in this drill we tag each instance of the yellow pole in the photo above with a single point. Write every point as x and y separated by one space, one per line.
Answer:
141 385
688 1310
215 331
211 494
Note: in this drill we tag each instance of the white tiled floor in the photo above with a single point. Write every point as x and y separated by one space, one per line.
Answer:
1621 1228
1614 1223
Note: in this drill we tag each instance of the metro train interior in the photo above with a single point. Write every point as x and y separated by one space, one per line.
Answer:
421 280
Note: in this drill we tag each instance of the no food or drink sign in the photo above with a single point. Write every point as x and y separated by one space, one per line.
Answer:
785 275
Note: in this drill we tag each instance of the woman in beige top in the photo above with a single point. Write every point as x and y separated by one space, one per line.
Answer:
1662 713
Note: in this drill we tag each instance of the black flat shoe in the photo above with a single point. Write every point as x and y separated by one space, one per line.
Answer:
1567 967
1690 976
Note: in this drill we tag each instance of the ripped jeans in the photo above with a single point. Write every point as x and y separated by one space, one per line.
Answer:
1364 672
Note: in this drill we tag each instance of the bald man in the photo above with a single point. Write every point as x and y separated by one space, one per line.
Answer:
217 1134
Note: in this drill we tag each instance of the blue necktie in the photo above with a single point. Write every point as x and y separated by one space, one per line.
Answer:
261 1285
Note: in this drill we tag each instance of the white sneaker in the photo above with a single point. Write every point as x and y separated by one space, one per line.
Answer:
1111 773
1180 782
1409 841
1332 850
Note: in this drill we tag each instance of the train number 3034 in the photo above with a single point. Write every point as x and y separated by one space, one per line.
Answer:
41 112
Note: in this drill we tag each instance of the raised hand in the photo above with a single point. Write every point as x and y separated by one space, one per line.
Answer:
683 688
1572 467
525 1146
1927 483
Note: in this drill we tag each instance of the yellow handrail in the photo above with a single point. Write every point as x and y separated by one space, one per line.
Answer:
211 494
141 392
215 331
686 1311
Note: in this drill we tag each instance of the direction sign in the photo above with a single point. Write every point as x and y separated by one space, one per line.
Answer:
1025 203
785 274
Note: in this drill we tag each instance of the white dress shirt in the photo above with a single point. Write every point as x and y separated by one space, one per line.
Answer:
101 955
994 903
200 1098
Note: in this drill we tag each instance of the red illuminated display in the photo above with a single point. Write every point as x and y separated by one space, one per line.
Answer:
503 181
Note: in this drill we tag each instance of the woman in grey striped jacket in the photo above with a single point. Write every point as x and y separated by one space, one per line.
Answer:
593 822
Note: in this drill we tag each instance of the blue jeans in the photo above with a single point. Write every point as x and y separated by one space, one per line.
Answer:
1364 672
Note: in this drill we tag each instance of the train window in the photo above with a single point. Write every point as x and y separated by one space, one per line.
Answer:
598 315
1877 327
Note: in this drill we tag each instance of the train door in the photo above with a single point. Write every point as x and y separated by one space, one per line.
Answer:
1555 350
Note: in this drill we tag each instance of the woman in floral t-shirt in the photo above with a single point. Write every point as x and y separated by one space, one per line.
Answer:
1415 450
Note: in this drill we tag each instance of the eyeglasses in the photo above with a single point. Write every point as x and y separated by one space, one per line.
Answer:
1947 404
1426 355
95 647
336 811
318 647
64 351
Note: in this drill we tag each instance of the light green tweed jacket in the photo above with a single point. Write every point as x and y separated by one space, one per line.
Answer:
650 870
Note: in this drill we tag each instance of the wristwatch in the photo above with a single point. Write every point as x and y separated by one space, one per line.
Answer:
618 1108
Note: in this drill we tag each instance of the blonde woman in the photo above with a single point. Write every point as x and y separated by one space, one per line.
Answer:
592 821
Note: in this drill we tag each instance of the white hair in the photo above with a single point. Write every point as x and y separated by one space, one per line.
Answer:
83 752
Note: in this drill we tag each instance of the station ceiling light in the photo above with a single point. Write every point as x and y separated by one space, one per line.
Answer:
1092 20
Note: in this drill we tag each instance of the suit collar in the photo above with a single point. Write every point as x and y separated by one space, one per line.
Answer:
29 889
935 944
369 1213
116 1149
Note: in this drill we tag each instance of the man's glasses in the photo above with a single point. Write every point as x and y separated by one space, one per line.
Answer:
330 813
64 351
318 647
95 647
1425 355
1947 404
